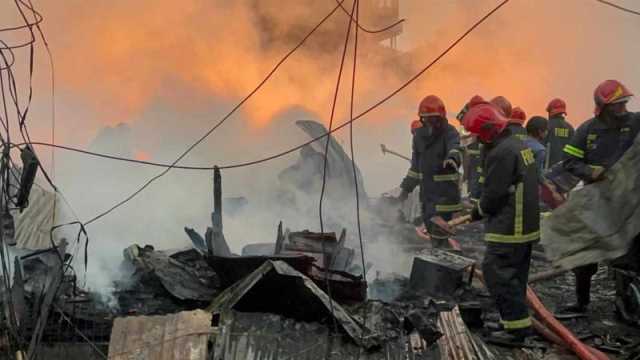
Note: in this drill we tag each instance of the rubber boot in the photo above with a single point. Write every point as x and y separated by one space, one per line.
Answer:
583 297
510 338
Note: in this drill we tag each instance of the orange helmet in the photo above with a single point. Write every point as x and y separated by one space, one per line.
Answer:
610 92
415 125
475 100
485 120
518 116
556 106
432 106
503 104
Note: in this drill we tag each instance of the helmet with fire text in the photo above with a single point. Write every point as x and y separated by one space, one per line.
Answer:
610 92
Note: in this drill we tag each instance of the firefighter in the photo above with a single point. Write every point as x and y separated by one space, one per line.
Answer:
435 161
516 123
509 203
473 155
596 145
560 132
536 134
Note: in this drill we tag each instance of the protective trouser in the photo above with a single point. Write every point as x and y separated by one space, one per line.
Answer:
583 283
439 237
506 273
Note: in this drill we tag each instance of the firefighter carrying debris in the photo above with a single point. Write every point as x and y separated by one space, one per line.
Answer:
434 164
509 203
596 146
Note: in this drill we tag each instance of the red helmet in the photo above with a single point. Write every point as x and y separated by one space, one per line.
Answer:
556 106
475 100
432 106
610 92
518 116
485 120
503 104
415 125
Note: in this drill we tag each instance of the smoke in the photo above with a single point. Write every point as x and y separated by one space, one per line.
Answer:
170 70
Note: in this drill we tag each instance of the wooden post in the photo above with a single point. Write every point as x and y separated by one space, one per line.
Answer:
216 243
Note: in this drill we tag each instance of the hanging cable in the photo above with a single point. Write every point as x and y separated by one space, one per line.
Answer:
344 10
325 163
618 7
286 152
118 158
381 101
354 168
217 125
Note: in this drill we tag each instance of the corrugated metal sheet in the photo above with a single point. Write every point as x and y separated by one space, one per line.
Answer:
181 336
34 223
258 336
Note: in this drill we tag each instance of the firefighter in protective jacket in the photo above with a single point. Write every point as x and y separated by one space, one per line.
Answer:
435 160
596 146
516 123
560 132
509 204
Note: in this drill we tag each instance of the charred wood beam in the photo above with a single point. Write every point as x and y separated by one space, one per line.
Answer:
52 289
216 242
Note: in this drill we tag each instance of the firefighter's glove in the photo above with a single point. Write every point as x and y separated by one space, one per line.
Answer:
450 163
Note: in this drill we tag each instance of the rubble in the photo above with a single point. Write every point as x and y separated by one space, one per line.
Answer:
440 273
298 298
457 341
301 295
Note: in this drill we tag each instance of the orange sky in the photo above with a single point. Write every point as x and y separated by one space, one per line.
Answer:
118 58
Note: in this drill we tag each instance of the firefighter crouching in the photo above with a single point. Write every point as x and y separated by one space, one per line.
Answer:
434 165
596 146
509 203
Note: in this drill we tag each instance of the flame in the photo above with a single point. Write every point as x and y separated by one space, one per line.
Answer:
142 155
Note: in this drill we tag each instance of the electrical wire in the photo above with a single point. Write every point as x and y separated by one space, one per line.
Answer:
618 7
353 166
217 125
378 103
325 163
28 25
291 150
118 158
361 27
22 115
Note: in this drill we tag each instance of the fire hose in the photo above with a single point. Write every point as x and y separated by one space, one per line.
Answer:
553 330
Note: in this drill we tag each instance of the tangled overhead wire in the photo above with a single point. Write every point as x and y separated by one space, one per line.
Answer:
8 172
